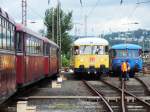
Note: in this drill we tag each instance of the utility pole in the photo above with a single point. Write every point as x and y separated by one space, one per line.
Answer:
58 21
59 39
53 25
24 12
60 24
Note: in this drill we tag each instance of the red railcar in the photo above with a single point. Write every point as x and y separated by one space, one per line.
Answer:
51 55
7 56
25 57
29 56
36 56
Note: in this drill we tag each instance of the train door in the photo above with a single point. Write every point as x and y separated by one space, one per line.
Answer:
50 60
46 59
20 58
28 63
58 60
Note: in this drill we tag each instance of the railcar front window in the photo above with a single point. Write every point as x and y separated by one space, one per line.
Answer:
133 53
98 50
120 53
85 50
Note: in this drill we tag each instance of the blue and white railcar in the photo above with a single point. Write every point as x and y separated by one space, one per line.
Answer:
130 53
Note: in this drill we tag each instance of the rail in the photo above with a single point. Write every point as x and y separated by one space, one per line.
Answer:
145 86
128 93
123 96
98 93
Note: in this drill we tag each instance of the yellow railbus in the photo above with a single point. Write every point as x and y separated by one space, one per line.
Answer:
90 55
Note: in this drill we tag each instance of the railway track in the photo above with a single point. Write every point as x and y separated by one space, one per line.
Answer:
101 95
98 93
123 106
127 106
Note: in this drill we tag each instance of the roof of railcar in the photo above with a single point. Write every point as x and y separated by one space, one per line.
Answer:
126 46
22 28
6 16
91 41
49 41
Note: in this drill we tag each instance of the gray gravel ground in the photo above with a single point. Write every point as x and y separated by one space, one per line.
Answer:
66 106
73 86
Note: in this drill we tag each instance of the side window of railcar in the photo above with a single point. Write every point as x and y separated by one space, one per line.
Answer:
28 45
37 47
4 34
41 47
34 45
47 49
8 36
12 34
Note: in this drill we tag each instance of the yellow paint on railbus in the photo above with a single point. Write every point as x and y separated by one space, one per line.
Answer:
91 60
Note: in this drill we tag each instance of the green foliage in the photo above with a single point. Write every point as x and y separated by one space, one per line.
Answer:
65 61
66 25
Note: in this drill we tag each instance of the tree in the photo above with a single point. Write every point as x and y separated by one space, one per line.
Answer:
65 23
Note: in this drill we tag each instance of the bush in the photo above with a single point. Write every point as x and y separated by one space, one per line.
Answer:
65 62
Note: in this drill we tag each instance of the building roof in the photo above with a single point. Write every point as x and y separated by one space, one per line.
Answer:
126 46
91 41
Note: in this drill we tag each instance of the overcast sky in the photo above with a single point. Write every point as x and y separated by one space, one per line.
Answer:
103 16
